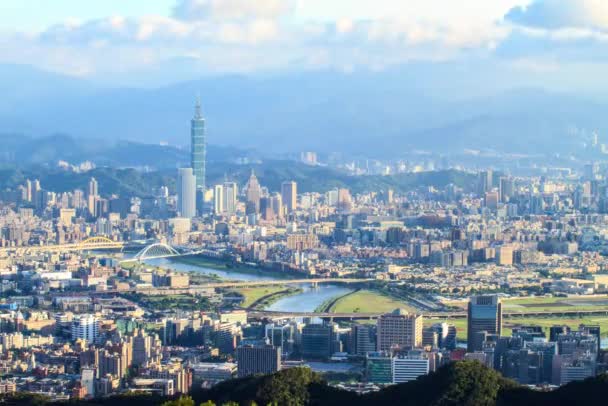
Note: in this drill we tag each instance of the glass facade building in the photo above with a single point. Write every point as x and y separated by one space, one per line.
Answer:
198 147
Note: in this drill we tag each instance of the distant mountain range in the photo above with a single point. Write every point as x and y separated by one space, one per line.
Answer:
23 151
382 114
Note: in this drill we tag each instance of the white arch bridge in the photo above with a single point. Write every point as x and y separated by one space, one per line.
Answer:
161 250
155 251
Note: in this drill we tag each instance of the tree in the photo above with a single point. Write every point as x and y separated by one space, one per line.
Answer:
182 401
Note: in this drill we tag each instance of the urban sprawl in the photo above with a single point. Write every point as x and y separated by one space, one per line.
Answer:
105 294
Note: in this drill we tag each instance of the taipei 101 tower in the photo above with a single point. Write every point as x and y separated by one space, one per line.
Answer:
198 148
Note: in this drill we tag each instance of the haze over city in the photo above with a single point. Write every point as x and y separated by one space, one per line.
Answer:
303 202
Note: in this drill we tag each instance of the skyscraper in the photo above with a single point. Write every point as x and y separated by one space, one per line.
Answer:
93 187
230 197
198 146
484 315
218 199
254 192
186 193
289 194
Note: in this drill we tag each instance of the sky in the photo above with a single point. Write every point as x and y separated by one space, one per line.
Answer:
165 40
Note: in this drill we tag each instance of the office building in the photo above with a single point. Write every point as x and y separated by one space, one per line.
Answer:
198 147
218 199
318 341
506 189
230 198
379 368
484 315
409 367
289 195
281 336
486 180
254 193
254 360
363 339
399 330
186 193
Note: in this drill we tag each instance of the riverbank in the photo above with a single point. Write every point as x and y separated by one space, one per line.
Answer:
327 305
366 301
258 297
241 268
269 299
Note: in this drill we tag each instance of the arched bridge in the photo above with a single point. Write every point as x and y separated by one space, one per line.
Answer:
156 251
90 244
99 243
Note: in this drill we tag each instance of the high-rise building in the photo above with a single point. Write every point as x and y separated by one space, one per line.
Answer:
93 187
218 199
276 202
254 192
399 330
363 339
486 180
289 195
85 327
92 197
378 367
506 189
254 360
318 340
484 315
230 197
186 193
198 147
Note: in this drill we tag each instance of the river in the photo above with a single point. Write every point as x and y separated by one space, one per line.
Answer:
307 301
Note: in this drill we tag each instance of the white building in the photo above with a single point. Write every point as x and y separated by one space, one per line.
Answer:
186 193
85 327
409 368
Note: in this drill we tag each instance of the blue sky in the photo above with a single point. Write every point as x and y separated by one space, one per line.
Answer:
179 39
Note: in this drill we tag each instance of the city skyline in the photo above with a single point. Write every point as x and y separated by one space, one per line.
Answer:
303 202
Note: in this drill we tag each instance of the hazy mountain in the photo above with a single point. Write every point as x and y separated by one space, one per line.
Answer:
385 113
24 151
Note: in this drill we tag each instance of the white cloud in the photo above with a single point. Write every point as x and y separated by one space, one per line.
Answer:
249 35
192 10
559 14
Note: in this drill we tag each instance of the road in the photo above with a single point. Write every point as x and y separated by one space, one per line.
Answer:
194 289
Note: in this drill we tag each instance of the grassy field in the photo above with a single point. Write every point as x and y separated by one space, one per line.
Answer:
510 323
366 301
528 304
252 294
237 268
555 303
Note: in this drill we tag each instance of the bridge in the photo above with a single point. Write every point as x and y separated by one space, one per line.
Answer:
99 243
274 315
156 251
90 244
204 288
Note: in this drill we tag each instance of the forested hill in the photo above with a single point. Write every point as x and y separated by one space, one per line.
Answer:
136 182
460 383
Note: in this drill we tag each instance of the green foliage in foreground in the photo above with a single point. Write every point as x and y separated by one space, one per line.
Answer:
460 383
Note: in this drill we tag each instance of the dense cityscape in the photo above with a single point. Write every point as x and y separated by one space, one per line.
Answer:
303 203
112 294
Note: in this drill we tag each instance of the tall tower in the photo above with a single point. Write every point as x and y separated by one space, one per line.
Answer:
484 317
289 194
186 193
198 147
